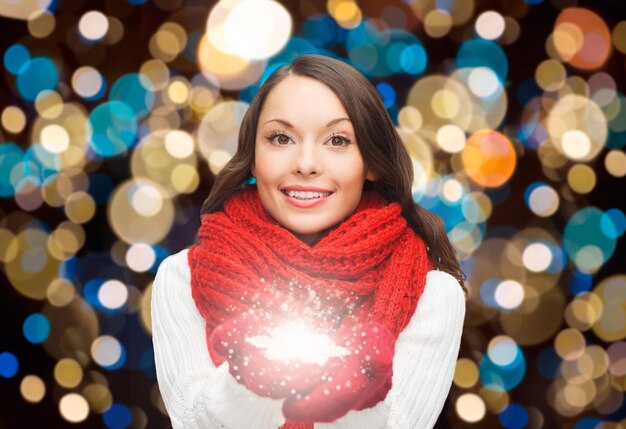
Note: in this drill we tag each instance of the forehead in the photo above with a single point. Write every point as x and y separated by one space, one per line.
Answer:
298 98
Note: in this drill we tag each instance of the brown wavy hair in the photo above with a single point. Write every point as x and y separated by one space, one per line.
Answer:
378 141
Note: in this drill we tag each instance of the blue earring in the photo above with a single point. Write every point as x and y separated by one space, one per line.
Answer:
249 181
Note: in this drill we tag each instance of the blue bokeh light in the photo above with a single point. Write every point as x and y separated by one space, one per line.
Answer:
387 92
613 223
114 128
549 363
136 91
118 416
16 57
503 378
38 74
9 364
36 328
514 416
483 53
10 157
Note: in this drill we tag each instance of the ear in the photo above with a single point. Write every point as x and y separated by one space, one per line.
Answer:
372 176
252 169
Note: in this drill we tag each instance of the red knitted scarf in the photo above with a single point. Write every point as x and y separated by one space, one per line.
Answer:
371 266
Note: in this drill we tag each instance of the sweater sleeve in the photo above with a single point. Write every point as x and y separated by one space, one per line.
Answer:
423 364
196 394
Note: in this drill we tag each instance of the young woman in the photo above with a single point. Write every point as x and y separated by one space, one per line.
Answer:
328 238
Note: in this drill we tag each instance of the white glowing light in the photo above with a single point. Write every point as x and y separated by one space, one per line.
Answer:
576 144
250 29
140 257
537 257
113 294
502 350
93 25
509 294
490 25
452 190
484 82
299 342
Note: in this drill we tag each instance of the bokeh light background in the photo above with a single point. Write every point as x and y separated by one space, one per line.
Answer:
116 115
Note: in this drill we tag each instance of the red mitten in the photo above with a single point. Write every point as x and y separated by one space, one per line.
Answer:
361 382
250 366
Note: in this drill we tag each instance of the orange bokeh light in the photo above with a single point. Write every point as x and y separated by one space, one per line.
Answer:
593 49
489 158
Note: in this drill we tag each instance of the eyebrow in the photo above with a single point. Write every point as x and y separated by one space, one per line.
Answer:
287 124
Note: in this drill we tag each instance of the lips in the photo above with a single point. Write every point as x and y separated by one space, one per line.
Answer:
305 203
304 189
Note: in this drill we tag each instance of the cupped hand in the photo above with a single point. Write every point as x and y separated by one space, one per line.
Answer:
251 366
360 381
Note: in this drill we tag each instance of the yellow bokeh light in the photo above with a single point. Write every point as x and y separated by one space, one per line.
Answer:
49 104
569 344
446 104
145 309
98 396
615 163
495 401
32 389
619 37
230 71
583 311
9 245
347 13
13 119
41 25
157 72
577 127
567 39
611 325
80 207
466 373
68 373
140 211
437 23
185 179
178 92
60 292
410 119
550 75
581 178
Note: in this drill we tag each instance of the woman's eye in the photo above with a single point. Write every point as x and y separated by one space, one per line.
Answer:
281 139
338 141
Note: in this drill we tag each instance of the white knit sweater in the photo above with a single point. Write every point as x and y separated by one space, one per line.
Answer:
198 395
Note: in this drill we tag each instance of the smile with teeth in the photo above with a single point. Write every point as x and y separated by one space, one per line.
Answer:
306 195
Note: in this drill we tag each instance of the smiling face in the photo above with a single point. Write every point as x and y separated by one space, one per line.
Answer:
304 138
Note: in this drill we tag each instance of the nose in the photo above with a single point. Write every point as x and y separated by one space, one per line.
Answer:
307 159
